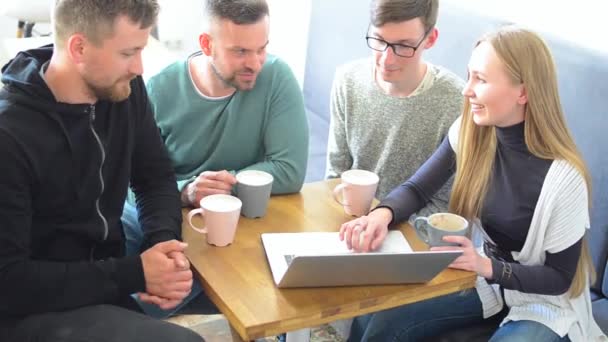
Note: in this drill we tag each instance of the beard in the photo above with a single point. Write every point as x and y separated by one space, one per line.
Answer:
117 92
231 81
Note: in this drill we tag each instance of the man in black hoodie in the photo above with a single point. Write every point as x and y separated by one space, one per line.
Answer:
75 130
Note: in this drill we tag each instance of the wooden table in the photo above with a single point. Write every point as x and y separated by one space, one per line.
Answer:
238 280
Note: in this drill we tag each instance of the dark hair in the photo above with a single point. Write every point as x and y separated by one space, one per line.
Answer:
395 11
240 12
95 18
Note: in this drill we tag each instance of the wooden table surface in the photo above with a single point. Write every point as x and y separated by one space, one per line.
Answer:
238 280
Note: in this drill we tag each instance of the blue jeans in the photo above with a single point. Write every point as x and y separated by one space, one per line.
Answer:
195 303
426 319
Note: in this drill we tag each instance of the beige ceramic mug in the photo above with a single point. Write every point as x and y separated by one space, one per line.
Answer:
221 216
357 190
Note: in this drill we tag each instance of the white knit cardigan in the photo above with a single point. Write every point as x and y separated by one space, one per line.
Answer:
560 219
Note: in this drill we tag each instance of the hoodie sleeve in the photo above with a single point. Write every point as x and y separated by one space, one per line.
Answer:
29 286
153 179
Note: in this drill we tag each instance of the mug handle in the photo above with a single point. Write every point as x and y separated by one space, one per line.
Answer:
420 225
191 214
337 191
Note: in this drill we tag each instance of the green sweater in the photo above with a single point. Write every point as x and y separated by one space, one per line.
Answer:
261 129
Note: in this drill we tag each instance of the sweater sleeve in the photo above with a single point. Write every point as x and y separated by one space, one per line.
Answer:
30 286
552 278
339 158
561 241
286 135
417 191
153 180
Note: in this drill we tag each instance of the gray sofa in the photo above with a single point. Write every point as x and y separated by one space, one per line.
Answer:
337 31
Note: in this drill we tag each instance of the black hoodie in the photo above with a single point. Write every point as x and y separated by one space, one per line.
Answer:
64 173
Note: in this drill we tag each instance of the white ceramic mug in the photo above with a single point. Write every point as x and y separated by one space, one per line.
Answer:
358 189
221 216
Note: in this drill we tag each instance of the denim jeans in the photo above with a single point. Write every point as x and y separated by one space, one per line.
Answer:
526 331
426 319
195 303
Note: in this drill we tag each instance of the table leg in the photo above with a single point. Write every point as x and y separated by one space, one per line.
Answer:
235 335
302 335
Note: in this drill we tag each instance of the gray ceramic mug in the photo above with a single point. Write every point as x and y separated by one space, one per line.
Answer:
433 228
253 189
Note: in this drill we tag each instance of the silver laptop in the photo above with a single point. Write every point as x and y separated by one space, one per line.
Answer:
321 259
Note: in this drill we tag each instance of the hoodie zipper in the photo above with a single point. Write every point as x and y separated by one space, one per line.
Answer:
103 158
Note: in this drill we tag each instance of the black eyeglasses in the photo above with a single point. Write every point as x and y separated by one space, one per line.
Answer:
400 50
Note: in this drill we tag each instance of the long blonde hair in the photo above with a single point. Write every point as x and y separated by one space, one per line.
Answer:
528 61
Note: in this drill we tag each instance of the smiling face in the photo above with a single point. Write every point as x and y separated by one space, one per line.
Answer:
390 67
495 98
107 68
238 52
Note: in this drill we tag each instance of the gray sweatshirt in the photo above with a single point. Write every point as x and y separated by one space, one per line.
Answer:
389 135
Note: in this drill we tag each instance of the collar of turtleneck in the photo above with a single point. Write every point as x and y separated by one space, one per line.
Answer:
512 137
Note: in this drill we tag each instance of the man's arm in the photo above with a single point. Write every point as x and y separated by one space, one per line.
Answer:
286 136
153 180
339 158
29 286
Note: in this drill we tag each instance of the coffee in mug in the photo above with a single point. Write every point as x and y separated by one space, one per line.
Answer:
358 189
433 228
253 188
221 216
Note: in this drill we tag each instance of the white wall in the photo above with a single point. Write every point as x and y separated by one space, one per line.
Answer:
581 21
180 22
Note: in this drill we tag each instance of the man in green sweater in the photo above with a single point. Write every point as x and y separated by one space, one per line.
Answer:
231 107
227 108
390 112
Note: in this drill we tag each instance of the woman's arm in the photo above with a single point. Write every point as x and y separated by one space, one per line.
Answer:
552 278
417 191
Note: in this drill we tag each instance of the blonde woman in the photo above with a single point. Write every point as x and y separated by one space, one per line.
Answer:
519 176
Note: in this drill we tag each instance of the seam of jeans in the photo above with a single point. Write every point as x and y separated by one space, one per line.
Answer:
397 336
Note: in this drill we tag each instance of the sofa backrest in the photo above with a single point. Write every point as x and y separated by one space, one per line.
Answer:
336 36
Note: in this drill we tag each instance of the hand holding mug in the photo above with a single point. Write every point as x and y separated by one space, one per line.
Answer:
208 183
470 260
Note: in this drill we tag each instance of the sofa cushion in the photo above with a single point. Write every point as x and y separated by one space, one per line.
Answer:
604 280
600 313
335 37
317 150
582 74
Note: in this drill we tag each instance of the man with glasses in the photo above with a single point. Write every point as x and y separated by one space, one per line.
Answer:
390 112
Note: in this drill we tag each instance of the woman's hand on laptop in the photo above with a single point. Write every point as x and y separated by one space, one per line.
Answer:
366 233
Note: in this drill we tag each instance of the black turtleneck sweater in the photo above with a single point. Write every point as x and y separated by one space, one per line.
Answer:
513 192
